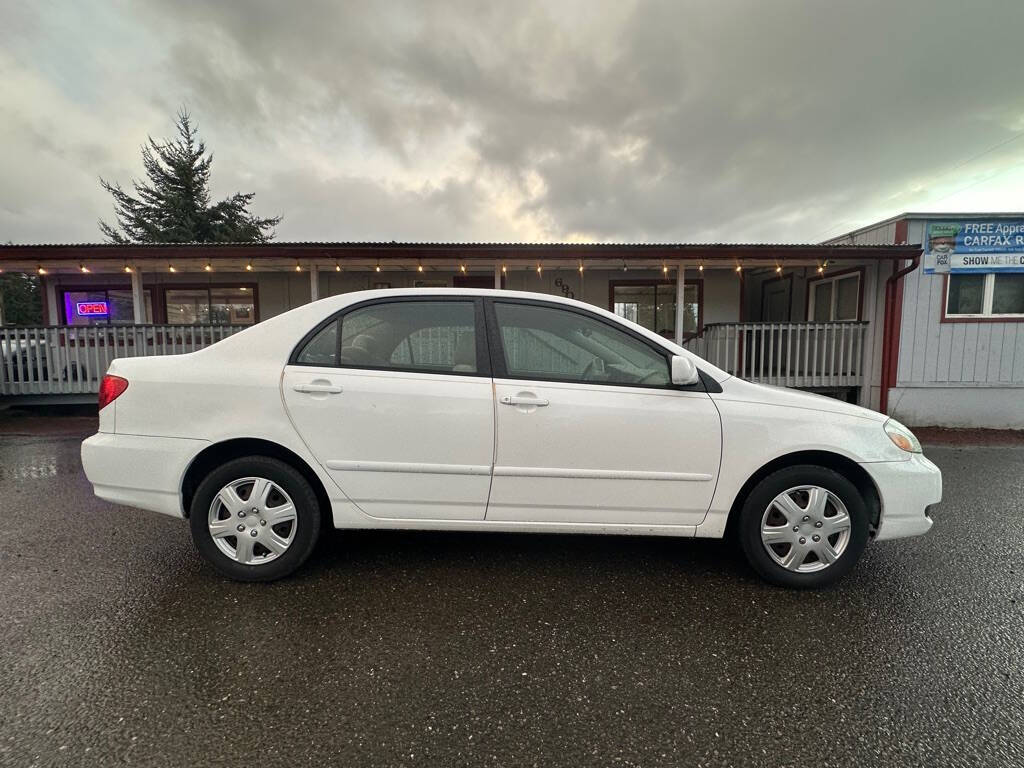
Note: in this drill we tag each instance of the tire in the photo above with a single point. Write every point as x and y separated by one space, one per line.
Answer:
780 498
292 538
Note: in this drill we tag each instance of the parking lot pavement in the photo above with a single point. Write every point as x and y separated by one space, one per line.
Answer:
118 646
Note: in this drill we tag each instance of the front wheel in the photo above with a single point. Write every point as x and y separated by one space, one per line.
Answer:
804 526
255 519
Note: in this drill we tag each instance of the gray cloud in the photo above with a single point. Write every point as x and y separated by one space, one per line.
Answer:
602 120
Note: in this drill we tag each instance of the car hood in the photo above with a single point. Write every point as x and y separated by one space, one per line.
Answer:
738 389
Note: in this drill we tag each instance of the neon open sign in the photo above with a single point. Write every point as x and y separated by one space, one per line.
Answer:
92 309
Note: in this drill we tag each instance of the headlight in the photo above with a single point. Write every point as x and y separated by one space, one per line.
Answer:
902 437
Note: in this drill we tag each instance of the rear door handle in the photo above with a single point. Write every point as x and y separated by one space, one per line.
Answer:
537 402
326 389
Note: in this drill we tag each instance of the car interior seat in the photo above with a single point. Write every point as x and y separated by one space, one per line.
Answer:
465 354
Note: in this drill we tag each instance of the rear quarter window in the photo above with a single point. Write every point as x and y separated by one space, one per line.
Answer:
322 349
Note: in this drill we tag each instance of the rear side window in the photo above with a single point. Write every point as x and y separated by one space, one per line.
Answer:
427 336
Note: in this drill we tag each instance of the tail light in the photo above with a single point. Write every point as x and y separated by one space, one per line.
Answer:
111 388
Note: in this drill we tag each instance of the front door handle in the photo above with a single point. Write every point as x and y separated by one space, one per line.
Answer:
324 389
536 402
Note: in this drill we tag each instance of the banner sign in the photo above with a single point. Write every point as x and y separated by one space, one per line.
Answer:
974 246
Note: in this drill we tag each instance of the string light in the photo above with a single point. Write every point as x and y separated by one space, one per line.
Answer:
462 268
419 267
170 268
248 267
337 267
208 267
624 267
42 271
700 268
778 269
127 269
581 267
538 268
503 269
298 267
738 269
378 265
664 268
820 269
84 268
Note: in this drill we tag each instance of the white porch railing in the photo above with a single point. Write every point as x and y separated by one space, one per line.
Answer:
809 355
62 361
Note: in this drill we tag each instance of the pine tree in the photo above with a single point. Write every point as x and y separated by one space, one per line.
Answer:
173 206
20 300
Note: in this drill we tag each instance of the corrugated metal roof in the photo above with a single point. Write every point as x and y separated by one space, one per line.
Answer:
423 244
928 216
43 254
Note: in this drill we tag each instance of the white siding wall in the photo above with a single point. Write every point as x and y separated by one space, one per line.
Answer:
954 374
874 306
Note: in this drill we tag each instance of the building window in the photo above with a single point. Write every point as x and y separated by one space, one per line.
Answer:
834 298
990 295
102 306
652 304
213 305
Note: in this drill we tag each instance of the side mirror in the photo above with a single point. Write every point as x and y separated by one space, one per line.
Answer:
684 372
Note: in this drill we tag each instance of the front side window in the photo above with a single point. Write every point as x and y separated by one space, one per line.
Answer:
427 336
834 299
991 295
556 344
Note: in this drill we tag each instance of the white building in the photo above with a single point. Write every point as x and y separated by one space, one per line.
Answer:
959 342
806 316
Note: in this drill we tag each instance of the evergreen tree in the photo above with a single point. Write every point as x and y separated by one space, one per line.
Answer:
20 299
173 206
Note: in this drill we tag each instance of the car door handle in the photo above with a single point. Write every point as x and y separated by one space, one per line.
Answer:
326 389
536 402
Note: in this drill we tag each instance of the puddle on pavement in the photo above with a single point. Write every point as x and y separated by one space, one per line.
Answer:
20 462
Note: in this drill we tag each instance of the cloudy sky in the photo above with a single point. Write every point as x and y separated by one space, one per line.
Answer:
559 120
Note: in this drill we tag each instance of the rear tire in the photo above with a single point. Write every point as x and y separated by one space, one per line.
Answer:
803 527
255 519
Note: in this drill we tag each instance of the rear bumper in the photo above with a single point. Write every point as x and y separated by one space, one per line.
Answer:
138 470
907 489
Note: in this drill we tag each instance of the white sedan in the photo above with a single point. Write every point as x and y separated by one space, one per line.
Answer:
478 410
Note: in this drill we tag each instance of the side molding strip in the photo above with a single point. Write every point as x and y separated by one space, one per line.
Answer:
410 467
599 474
480 469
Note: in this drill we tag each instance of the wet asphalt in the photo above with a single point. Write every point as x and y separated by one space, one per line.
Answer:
118 646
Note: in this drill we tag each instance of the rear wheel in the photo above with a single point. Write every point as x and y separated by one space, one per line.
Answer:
803 526
255 519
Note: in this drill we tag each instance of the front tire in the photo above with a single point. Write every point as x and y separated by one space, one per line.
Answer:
255 519
803 527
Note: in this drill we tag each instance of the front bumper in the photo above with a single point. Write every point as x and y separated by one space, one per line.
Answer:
139 470
907 490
